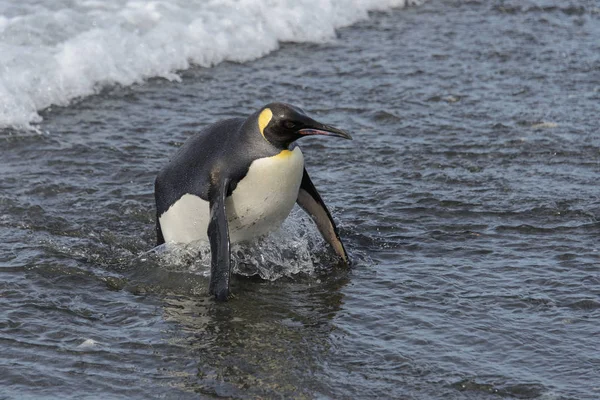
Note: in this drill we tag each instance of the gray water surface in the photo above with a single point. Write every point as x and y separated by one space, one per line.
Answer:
468 201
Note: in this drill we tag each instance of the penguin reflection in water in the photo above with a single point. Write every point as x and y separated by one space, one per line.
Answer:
239 179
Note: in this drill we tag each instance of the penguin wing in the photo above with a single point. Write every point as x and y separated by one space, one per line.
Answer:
159 235
311 202
218 235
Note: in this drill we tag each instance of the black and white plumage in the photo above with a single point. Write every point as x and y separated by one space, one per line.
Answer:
239 179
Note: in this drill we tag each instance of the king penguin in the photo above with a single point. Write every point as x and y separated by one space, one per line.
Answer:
238 179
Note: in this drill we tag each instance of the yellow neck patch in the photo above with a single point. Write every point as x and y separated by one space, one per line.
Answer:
263 120
284 154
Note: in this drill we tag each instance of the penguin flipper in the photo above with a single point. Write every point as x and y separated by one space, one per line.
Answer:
218 235
159 235
311 202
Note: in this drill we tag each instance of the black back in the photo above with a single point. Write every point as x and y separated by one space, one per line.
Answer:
226 148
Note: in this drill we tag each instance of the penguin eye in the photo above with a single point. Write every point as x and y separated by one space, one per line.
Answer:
289 124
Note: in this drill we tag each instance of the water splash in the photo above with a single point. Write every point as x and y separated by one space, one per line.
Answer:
296 248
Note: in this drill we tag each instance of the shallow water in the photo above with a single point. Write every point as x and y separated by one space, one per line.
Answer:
468 201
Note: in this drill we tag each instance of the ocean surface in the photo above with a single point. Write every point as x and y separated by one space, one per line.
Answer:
468 200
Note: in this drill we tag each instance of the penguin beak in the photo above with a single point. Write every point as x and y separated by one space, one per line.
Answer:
321 129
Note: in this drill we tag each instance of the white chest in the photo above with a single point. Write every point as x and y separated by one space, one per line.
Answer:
259 204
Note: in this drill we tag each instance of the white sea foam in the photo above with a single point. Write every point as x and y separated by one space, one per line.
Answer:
87 344
53 51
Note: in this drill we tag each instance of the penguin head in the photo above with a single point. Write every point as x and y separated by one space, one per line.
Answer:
281 124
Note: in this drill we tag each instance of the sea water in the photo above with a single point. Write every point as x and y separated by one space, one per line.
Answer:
468 201
52 52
